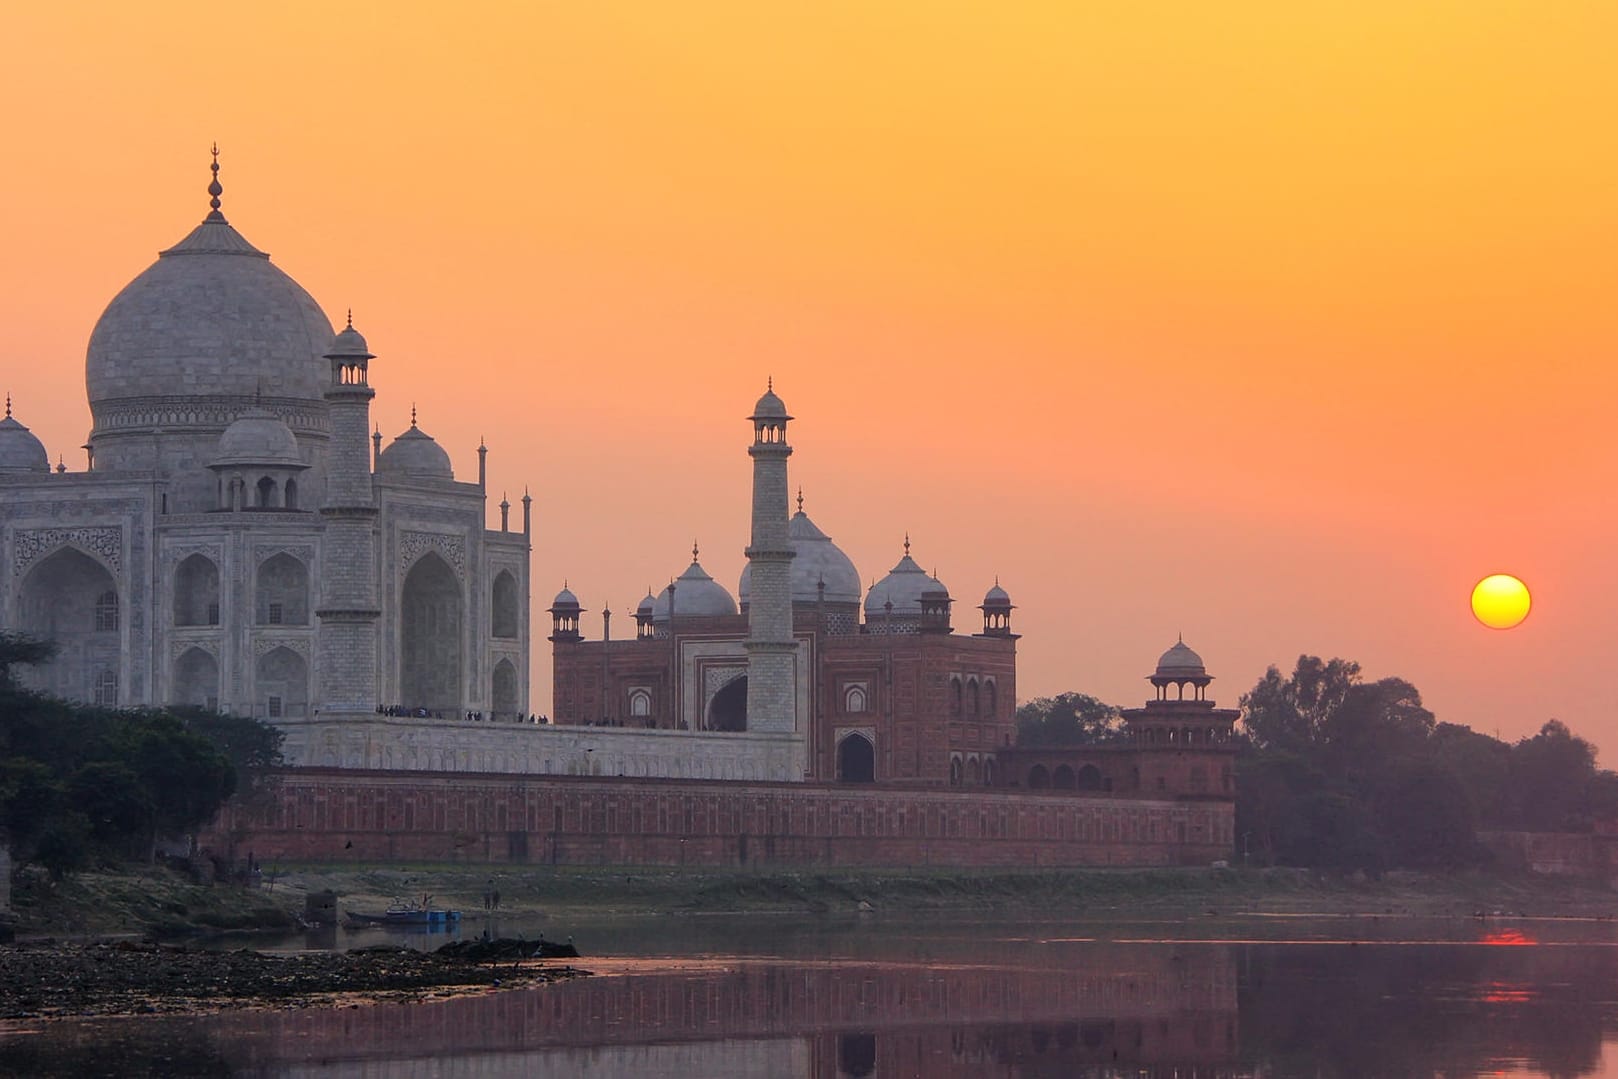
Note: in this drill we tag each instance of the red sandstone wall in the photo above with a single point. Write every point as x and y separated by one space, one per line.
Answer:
1560 854
325 813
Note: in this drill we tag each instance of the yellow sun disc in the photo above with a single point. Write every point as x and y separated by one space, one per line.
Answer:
1500 601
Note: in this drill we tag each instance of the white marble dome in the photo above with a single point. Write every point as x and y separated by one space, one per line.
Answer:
770 406
415 454
696 594
210 318
816 559
258 437
997 596
904 586
1180 662
565 598
20 451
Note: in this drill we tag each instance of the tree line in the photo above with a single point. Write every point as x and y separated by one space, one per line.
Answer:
1334 771
81 784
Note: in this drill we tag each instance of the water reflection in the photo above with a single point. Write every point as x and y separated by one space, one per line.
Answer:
825 1000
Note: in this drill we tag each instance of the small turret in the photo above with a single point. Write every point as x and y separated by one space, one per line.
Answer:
565 612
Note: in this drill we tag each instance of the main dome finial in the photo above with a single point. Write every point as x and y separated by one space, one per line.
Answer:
214 188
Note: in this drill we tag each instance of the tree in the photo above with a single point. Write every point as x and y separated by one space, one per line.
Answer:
1068 719
1552 777
1290 713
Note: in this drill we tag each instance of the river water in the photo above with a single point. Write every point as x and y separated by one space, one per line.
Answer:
823 998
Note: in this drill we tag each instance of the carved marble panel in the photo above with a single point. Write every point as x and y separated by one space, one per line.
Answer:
32 544
412 545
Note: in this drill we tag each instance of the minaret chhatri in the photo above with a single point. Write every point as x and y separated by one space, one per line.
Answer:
348 617
771 652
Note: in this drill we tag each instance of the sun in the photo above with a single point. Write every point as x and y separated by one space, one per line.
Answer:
1501 601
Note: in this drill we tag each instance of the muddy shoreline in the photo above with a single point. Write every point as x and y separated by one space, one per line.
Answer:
46 980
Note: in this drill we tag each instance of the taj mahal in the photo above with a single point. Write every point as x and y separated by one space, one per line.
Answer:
241 539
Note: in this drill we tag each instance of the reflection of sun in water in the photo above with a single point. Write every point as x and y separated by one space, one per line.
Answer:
1500 601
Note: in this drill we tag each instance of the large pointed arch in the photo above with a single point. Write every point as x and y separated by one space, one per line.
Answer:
431 649
71 599
728 709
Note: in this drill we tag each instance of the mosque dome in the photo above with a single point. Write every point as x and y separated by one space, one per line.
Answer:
414 453
565 598
647 606
696 594
903 587
817 559
20 451
258 437
1180 662
997 596
210 318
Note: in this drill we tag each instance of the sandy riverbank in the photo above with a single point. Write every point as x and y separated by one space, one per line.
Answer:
47 980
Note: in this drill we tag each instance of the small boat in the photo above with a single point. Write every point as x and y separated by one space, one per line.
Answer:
406 914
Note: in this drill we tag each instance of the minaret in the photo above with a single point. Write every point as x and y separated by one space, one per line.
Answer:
771 652
348 612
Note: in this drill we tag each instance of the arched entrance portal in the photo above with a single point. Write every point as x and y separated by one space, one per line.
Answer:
71 599
856 760
430 646
728 711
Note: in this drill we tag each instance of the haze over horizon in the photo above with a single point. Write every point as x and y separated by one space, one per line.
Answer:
1277 327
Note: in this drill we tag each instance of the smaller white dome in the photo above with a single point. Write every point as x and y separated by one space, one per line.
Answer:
349 344
647 605
696 594
997 597
1180 662
565 598
258 437
770 407
414 453
903 587
20 451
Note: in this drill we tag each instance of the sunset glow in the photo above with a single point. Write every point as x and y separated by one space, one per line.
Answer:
1271 324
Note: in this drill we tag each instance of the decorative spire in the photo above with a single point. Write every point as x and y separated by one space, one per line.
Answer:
693 552
412 414
350 319
907 544
800 498
214 190
8 404
769 384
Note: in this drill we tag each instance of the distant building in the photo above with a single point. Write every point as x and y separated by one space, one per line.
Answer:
1175 746
885 692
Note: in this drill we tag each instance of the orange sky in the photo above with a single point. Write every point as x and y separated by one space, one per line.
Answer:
1276 324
